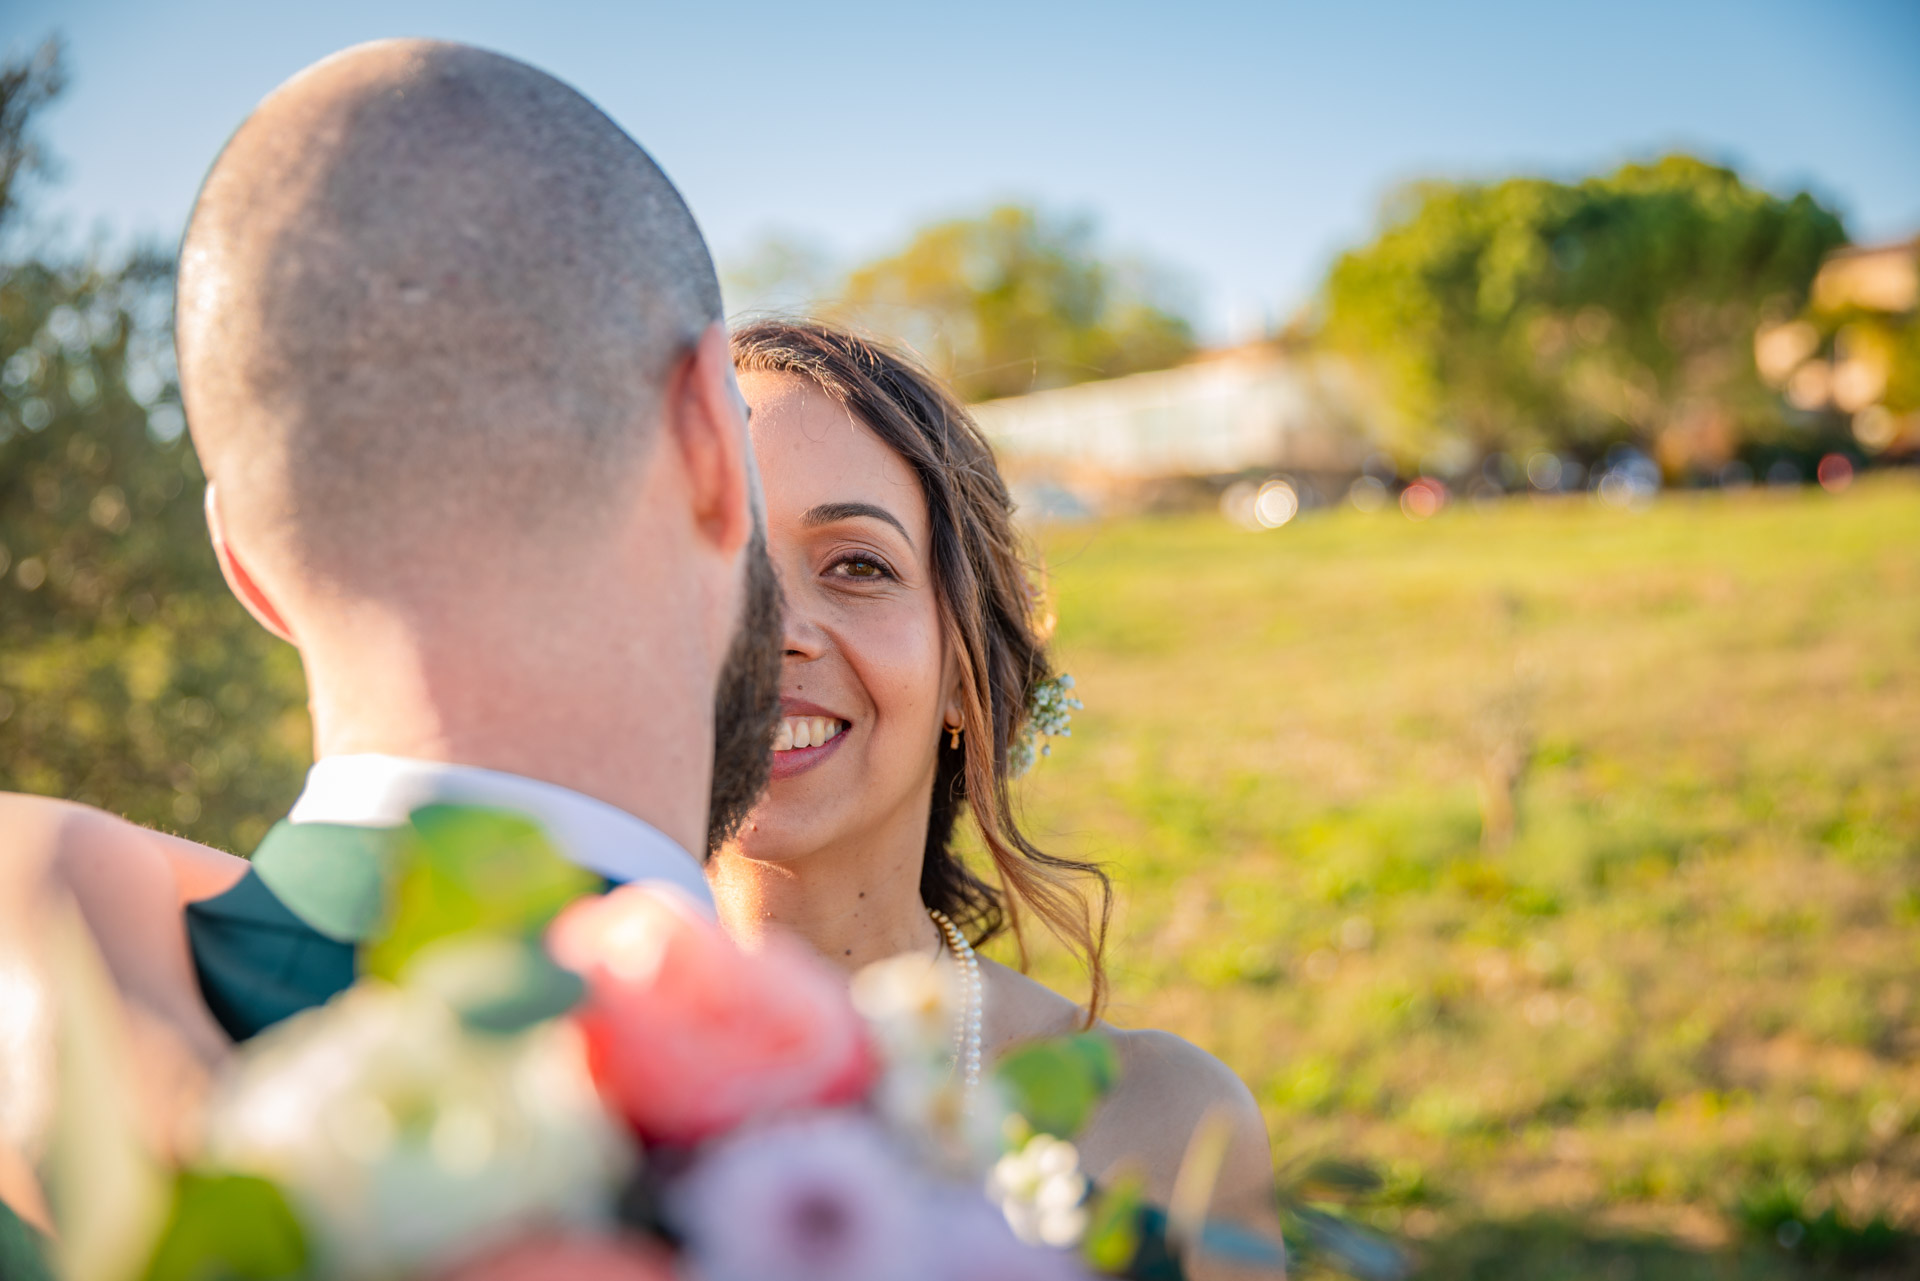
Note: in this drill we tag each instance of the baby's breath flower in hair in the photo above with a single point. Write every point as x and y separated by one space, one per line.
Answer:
1049 715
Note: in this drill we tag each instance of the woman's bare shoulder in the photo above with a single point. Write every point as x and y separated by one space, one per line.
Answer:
1169 1086
1019 1009
1160 1063
83 843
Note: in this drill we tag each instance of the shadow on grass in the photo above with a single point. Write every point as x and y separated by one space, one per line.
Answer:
1554 1249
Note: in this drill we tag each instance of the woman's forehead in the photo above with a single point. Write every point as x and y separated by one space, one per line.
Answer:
812 451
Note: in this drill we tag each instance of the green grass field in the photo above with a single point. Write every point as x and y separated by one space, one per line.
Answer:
1563 862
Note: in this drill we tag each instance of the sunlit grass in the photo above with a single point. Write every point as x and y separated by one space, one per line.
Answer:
1686 967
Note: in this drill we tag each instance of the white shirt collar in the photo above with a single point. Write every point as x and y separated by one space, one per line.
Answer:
369 790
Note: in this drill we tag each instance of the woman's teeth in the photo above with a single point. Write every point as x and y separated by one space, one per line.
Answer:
805 731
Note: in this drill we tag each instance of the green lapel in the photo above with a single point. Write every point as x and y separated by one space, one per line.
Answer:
22 1250
331 876
284 938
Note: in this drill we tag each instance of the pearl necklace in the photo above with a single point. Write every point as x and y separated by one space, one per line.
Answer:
966 1027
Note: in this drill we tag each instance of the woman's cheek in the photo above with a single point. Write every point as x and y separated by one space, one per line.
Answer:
900 665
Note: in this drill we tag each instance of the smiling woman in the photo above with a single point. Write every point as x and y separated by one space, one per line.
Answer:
913 645
913 650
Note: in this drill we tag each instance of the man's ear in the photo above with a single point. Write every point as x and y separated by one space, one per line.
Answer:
707 422
238 579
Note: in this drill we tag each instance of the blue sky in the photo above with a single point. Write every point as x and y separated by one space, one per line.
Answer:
1244 145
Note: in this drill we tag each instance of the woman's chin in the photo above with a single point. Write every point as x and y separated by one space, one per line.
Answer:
778 834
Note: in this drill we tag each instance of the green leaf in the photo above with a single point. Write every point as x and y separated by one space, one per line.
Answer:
495 984
1155 1260
467 870
1056 1083
1243 1246
228 1227
1113 1228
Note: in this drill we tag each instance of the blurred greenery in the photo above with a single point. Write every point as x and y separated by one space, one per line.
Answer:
1686 977
1008 301
129 677
1532 314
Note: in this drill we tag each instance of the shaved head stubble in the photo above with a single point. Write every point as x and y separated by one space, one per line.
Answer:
429 301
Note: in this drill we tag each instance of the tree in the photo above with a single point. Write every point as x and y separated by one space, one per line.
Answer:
1529 313
129 676
1013 301
26 86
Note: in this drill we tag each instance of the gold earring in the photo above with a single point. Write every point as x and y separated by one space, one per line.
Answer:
953 736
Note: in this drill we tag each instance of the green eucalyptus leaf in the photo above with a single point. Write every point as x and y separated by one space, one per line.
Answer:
1241 1245
494 983
1113 1228
1156 1259
1056 1083
231 1227
467 870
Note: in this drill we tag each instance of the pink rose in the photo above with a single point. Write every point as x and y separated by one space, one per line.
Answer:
545 1258
688 1035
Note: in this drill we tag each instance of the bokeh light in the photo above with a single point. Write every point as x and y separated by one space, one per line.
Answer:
1423 498
1544 471
1835 473
1367 494
1276 504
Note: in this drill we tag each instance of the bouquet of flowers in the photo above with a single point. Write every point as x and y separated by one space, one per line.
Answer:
535 1080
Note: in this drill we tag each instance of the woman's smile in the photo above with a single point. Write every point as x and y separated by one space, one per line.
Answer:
807 735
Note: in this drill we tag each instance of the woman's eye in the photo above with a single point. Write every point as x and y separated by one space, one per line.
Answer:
862 568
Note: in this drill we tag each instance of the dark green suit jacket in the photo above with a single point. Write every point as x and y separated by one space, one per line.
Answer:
286 937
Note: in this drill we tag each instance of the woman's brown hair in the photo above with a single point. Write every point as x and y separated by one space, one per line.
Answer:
990 608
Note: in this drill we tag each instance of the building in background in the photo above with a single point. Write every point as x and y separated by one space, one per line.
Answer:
1137 439
1856 349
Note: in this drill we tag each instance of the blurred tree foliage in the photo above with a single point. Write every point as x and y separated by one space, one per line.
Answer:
1528 314
129 677
1014 301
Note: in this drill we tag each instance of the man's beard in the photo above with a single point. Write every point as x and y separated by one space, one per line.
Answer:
746 706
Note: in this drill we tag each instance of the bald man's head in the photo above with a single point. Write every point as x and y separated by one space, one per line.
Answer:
429 295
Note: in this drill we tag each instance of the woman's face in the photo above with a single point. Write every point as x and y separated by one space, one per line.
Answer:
866 685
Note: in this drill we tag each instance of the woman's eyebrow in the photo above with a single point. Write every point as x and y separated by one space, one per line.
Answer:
827 513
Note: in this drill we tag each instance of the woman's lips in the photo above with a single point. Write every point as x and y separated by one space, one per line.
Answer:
797 760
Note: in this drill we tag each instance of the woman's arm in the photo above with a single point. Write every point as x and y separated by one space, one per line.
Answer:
130 885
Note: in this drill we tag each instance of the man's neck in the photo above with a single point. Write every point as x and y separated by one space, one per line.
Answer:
630 734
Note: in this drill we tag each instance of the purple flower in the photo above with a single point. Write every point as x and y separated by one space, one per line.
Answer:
973 1242
823 1198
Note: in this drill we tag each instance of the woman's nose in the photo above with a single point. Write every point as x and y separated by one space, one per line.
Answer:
802 638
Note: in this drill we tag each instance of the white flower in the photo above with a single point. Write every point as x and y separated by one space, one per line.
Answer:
1049 715
909 1002
403 1139
1042 1192
910 1005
